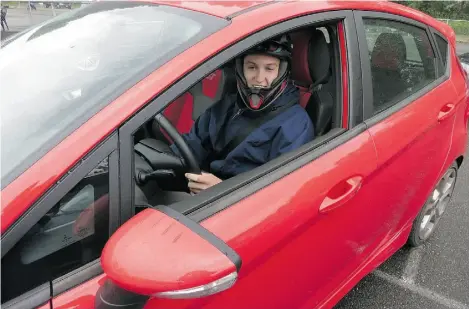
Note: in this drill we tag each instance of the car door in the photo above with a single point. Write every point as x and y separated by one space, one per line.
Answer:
409 109
299 236
298 222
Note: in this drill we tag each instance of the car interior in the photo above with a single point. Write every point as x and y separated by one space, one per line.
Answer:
392 58
315 71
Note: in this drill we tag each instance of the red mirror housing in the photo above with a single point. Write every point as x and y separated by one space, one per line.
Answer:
162 253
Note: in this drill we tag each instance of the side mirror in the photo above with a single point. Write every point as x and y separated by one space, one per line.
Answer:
162 253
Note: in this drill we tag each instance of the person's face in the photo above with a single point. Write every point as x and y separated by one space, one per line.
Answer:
260 70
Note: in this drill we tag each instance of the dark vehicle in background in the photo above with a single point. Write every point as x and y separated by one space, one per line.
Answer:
464 59
58 5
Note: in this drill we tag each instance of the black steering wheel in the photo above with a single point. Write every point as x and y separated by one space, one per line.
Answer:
190 163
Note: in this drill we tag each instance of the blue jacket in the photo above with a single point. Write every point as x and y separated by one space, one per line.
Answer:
287 131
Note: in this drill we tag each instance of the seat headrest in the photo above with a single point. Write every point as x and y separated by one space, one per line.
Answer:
389 51
211 89
311 57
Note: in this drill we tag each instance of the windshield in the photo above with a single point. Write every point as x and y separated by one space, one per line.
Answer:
59 74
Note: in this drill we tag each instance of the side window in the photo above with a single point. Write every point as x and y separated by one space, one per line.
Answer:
160 171
70 235
402 60
443 47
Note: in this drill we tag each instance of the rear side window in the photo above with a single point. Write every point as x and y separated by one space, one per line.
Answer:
443 47
402 60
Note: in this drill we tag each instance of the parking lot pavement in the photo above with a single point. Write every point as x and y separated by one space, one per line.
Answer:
462 48
19 19
5 34
434 276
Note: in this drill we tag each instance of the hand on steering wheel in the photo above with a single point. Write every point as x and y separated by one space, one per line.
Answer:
190 162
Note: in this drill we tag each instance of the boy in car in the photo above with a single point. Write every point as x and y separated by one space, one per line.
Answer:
262 121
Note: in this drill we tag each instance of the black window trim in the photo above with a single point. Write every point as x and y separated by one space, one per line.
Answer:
371 119
93 268
39 296
76 277
274 168
435 33
337 62
356 113
107 149
114 189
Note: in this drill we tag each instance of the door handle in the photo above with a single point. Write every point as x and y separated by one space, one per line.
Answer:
446 111
341 193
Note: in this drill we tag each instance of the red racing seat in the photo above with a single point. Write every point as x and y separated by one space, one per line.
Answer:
183 111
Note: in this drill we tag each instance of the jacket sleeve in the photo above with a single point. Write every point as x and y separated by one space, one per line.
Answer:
294 133
198 139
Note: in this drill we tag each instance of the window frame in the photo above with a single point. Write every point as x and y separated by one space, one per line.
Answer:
447 70
232 190
107 149
38 296
369 116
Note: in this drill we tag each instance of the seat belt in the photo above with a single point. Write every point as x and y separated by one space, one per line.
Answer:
252 125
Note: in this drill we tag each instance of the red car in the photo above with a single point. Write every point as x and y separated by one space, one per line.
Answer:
92 98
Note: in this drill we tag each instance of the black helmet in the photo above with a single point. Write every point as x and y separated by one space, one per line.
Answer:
259 99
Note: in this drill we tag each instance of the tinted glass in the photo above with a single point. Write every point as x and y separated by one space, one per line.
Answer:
443 47
402 61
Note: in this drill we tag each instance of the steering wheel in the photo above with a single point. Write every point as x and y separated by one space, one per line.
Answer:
190 161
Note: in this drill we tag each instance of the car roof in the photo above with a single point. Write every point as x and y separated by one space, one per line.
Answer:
223 9
230 9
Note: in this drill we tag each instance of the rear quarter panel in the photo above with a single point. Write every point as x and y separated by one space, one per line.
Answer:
459 141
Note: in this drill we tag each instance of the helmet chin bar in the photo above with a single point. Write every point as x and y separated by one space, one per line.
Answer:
255 101
256 98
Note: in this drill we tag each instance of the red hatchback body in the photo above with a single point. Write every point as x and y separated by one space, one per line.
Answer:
91 98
